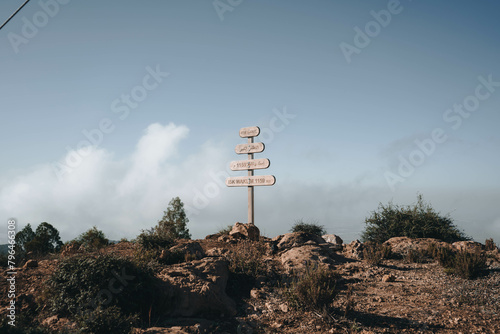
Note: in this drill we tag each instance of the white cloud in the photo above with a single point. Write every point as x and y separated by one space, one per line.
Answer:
119 196
123 196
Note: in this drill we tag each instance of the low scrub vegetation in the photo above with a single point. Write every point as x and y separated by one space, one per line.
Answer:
98 291
463 263
313 290
374 253
312 228
417 221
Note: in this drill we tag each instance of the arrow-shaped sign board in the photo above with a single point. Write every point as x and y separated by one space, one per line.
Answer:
249 164
249 148
251 131
245 181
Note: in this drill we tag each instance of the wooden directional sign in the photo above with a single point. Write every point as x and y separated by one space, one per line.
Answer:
245 181
249 164
251 131
249 148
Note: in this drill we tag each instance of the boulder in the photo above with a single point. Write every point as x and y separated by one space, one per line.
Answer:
198 288
296 239
245 231
402 245
299 258
354 250
191 248
470 246
333 239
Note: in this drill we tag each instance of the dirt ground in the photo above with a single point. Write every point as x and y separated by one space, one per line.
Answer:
394 297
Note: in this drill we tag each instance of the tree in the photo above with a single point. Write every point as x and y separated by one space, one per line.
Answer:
93 239
417 221
44 240
174 221
23 237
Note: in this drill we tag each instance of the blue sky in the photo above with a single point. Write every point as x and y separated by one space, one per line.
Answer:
359 103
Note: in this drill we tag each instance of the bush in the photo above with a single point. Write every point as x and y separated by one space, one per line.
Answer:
445 257
149 240
469 265
418 221
92 239
107 320
374 253
245 265
82 284
316 289
465 264
246 258
312 228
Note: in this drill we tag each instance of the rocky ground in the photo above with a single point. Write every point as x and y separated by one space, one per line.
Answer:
396 296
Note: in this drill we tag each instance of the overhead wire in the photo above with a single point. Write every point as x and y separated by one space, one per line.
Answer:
10 17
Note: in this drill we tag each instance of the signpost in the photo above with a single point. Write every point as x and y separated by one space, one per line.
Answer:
251 180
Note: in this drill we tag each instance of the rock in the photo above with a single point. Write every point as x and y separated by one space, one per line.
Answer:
402 245
296 239
245 231
31 264
50 321
388 278
470 246
284 308
216 251
191 248
256 294
300 258
198 288
333 239
354 250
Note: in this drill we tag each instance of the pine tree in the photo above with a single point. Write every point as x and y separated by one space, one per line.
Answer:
174 221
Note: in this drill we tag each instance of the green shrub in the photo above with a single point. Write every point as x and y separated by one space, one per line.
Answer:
417 221
107 320
374 253
150 240
312 228
315 289
80 284
92 239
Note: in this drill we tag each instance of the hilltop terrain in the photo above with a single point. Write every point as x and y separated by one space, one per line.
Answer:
246 283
